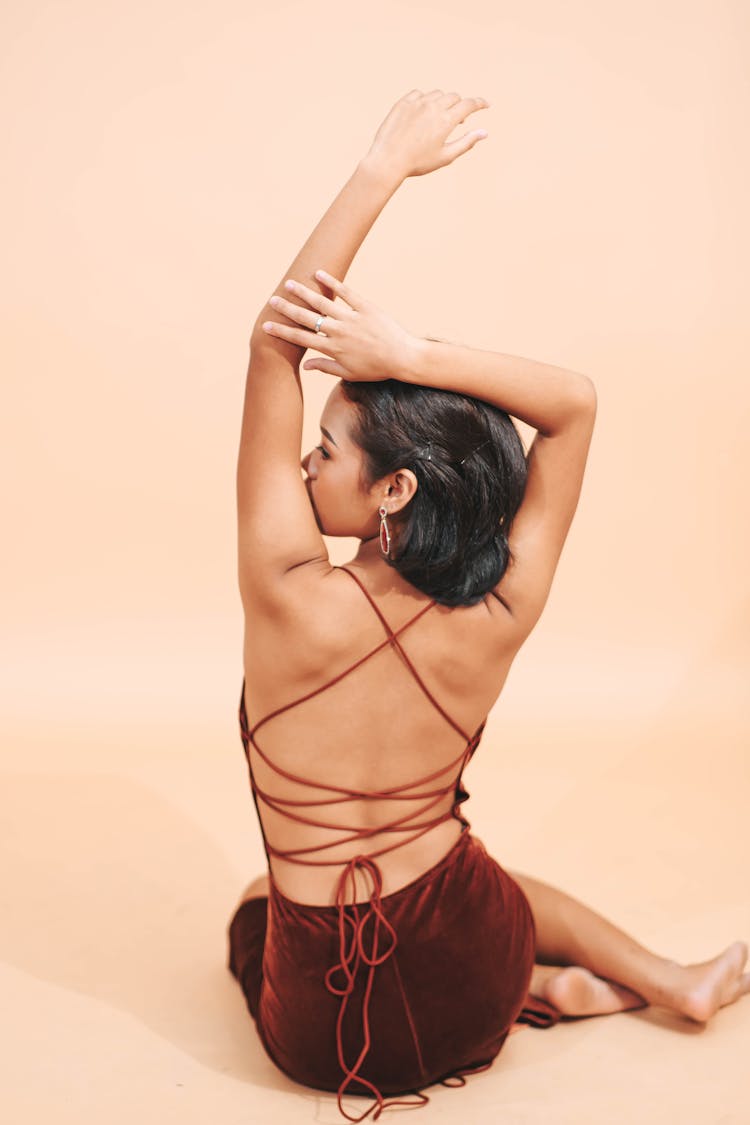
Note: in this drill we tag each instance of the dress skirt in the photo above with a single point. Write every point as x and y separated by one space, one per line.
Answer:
439 1002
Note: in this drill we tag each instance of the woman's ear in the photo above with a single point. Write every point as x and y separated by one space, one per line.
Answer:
402 487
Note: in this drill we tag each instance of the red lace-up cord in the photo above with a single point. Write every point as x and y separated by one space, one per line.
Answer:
354 954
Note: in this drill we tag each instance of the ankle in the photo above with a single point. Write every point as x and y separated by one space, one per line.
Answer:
670 986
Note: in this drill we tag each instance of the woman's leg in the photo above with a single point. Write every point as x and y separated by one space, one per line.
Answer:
576 991
571 934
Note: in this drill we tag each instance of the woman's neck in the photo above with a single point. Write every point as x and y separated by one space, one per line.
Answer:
368 551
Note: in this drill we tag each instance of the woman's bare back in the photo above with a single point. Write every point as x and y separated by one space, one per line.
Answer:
373 729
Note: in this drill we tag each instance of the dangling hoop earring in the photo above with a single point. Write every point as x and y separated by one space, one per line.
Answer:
385 534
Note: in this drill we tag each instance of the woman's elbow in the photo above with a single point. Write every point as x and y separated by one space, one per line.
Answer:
586 395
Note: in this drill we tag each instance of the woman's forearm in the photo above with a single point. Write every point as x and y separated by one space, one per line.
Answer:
541 395
332 244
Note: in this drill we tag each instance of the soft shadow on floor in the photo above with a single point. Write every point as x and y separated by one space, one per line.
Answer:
116 894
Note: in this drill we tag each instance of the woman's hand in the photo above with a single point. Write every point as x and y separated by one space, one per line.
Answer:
360 342
411 141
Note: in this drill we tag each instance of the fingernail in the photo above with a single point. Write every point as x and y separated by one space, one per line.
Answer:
267 326
321 273
273 301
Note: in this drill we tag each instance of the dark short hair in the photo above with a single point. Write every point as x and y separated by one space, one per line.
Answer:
451 539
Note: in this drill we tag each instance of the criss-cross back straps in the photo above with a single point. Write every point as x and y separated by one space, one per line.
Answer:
393 637
409 824
355 955
400 792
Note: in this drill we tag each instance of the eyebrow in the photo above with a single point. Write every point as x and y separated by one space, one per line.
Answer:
324 431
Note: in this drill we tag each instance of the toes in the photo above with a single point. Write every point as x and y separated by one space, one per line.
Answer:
741 988
740 950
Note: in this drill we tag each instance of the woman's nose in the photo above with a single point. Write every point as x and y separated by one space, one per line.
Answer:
305 462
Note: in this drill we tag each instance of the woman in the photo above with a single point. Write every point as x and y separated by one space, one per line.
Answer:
389 951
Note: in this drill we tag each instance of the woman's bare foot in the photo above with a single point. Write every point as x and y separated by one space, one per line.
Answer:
576 991
701 989
696 991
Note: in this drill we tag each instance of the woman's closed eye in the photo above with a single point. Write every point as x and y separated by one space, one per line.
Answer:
324 451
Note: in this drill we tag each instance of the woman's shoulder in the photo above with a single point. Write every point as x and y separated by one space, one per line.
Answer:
329 605
321 622
324 600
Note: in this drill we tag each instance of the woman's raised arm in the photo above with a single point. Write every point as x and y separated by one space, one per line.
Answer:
561 405
276 525
363 342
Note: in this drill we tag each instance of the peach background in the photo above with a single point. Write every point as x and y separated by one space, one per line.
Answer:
164 162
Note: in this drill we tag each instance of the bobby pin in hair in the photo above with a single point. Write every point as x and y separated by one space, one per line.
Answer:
474 450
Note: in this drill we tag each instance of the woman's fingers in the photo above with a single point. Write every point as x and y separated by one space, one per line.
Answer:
327 366
463 144
412 138
305 317
344 291
462 108
306 336
298 336
313 297
317 302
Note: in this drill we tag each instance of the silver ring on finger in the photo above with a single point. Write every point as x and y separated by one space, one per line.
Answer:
318 323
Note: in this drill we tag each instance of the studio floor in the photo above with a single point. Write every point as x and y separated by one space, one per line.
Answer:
128 842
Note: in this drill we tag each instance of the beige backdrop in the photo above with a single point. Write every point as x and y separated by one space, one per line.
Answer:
163 163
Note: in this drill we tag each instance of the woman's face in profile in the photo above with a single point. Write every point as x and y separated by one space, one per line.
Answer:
333 473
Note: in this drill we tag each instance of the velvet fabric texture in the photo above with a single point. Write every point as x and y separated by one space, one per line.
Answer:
442 1004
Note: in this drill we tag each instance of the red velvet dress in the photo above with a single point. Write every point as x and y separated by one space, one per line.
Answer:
386 996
